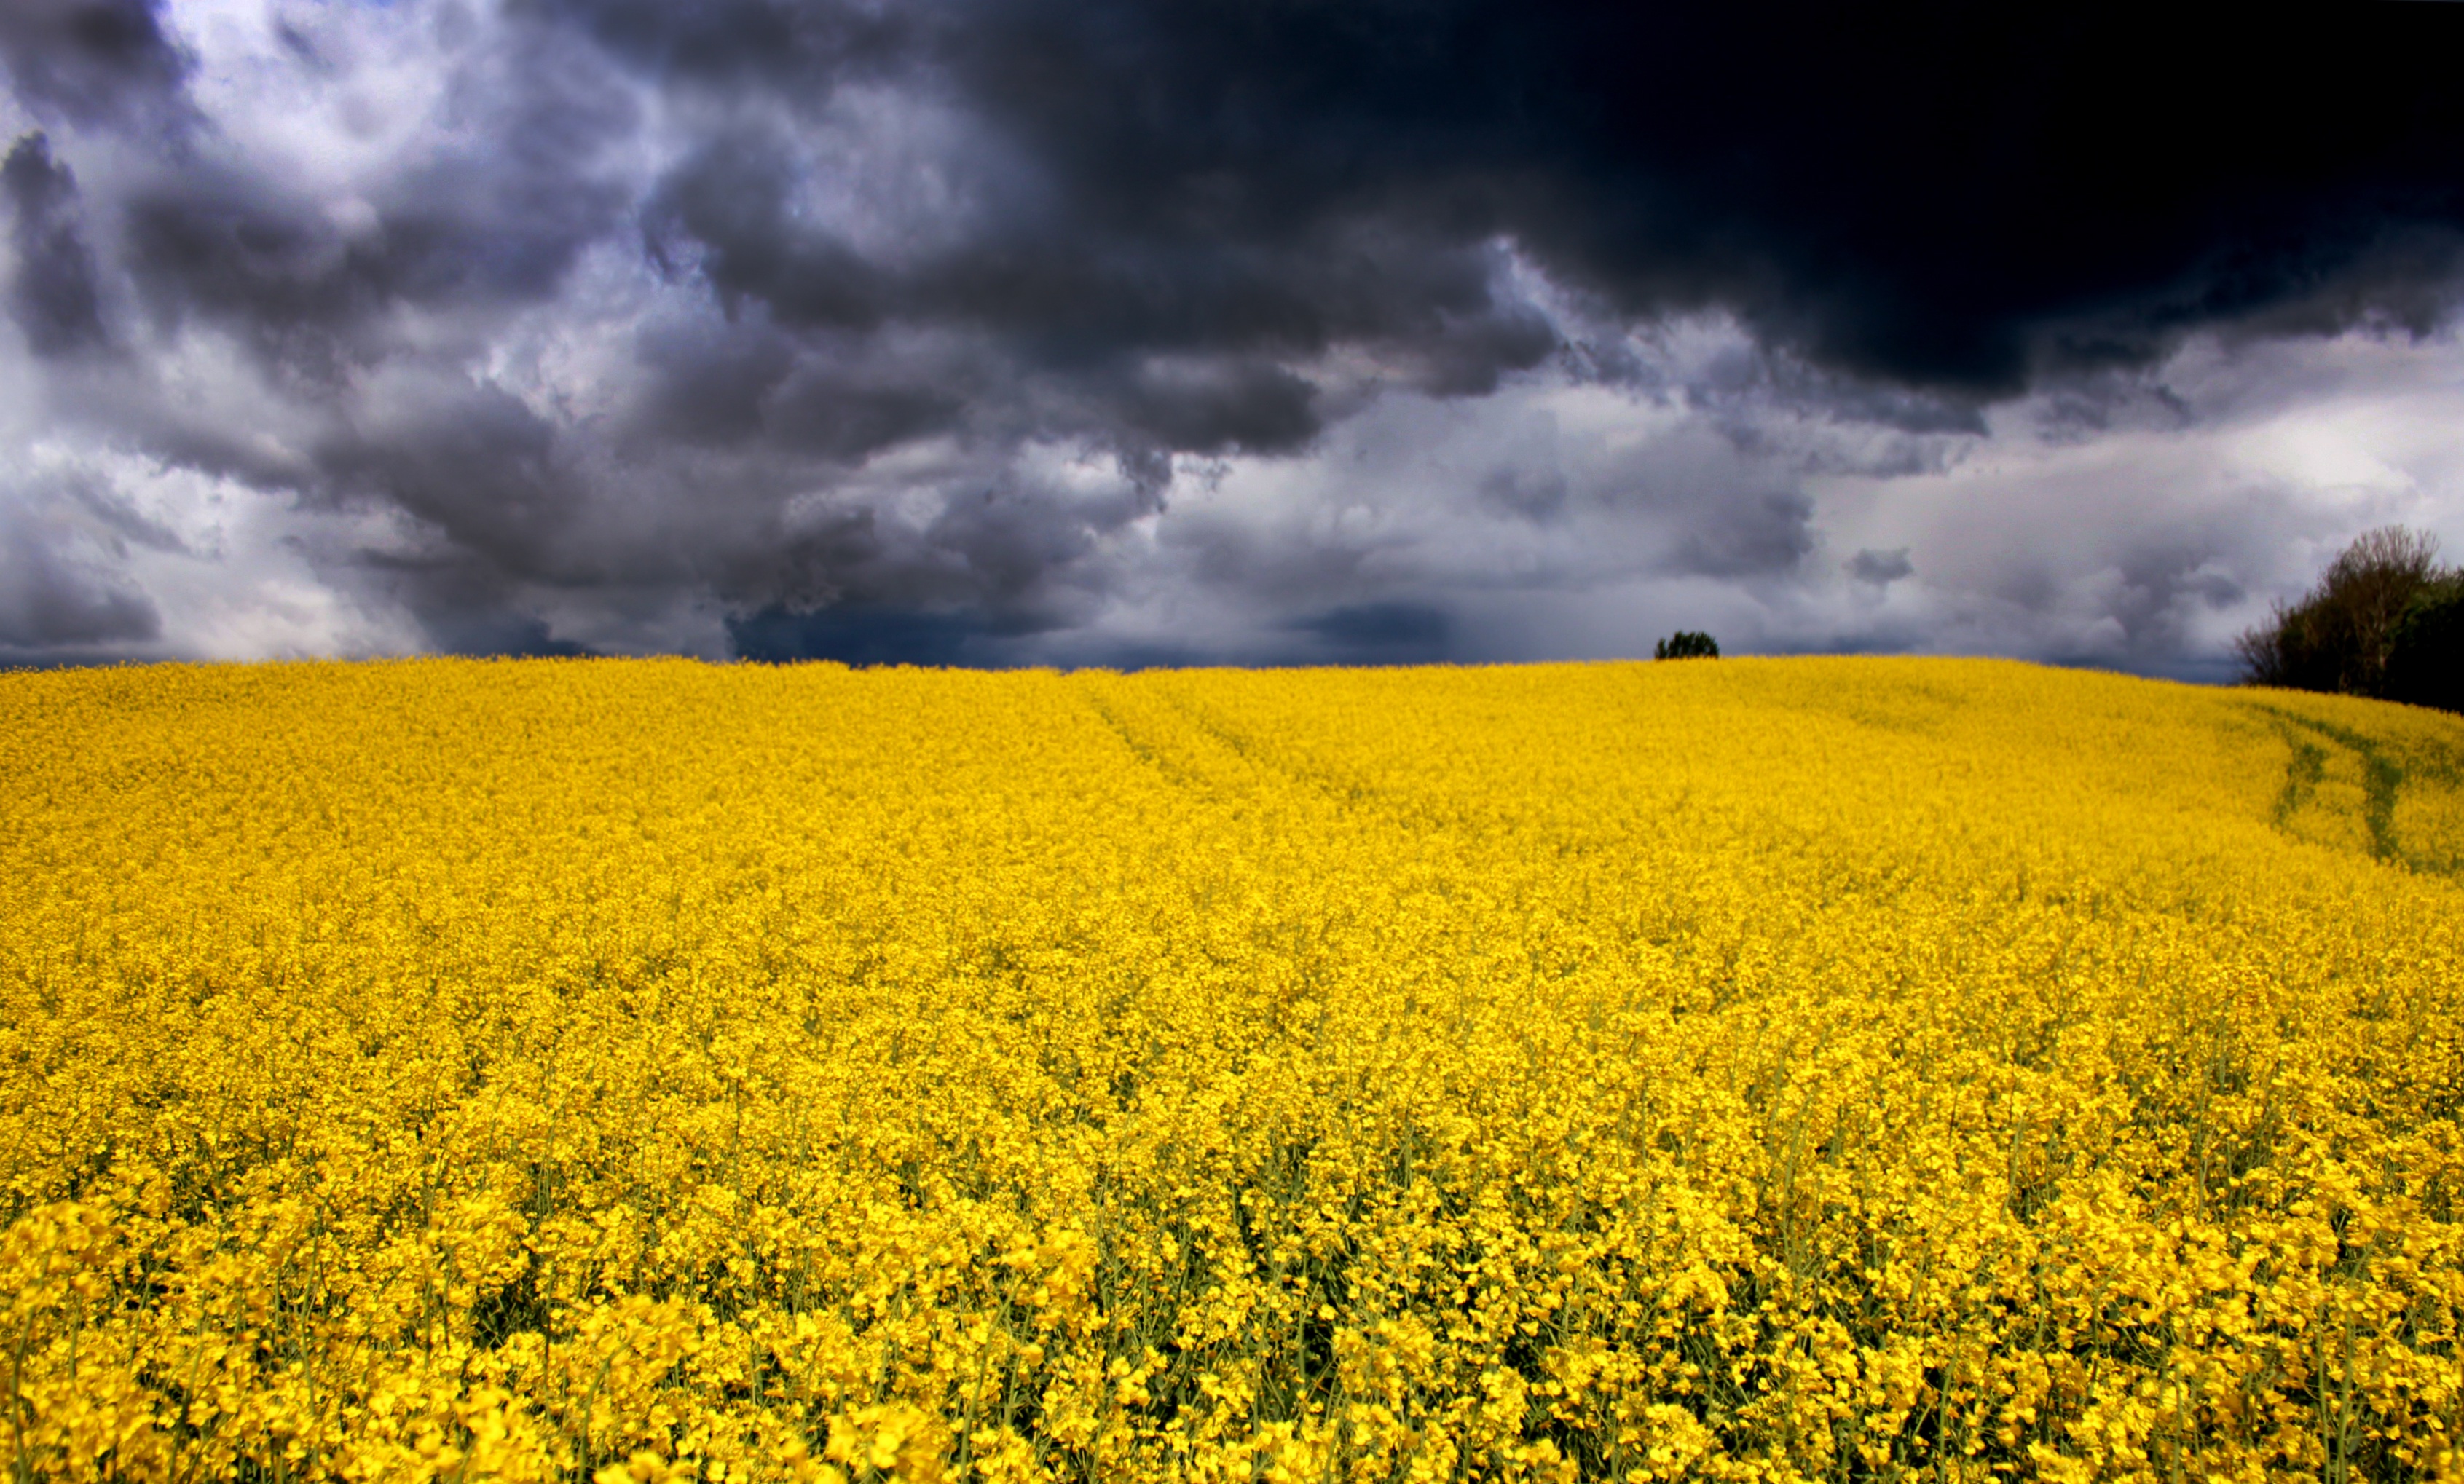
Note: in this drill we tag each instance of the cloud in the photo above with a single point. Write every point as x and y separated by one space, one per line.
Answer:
59 595
1119 330
1937 197
1388 633
50 605
1881 568
1759 534
93 61
861 637
52 292
486 211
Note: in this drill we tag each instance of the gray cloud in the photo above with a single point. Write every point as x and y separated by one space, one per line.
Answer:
480 466
1393 633
115 517
93 61
1752 536
59 594
487 222
1881 568
1111 330
53 290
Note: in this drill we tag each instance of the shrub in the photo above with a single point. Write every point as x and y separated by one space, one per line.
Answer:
1687 645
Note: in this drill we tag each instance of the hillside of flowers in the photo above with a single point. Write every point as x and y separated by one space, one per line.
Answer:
1764 1069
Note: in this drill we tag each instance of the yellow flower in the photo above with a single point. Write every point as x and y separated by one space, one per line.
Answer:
652 1071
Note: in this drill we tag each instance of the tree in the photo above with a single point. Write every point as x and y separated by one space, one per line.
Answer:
1687 645
2426 666
2343 634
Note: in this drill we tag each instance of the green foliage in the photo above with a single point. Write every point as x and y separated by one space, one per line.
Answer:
2385 620
1687 645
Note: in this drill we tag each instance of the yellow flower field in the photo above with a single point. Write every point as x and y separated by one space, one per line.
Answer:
1775 1069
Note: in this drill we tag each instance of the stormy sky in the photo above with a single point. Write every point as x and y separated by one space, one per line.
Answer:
1139 332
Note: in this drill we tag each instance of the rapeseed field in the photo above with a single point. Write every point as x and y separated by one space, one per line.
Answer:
1735 1070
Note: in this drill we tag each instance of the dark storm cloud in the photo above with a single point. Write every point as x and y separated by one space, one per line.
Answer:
824 410
1073 292
240 250
1221 405
1192 204
1944 196
480 466
735 45
707 385
92 61
733 200
53 293
794 309
720 387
